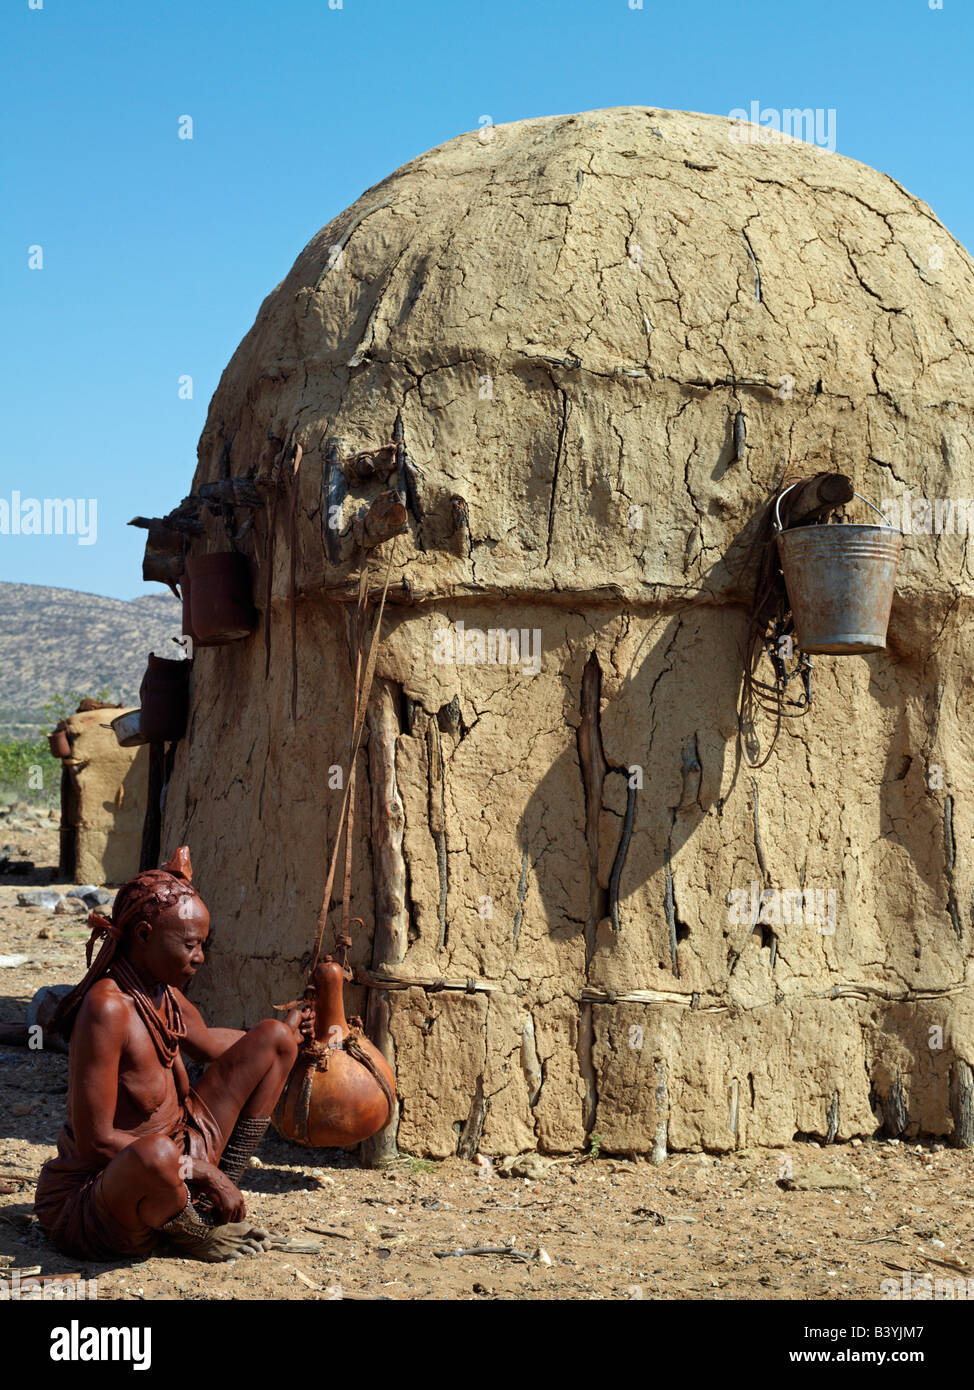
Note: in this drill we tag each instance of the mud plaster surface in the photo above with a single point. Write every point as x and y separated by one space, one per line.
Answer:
580 317
108 803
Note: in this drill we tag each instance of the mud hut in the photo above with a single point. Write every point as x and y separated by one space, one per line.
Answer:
596 342
103 797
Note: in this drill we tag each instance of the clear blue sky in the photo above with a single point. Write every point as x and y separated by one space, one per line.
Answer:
158 251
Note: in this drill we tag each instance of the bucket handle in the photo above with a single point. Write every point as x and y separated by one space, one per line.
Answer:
777 506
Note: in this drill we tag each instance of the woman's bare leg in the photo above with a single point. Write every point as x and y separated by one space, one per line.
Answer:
246 1082
143 1187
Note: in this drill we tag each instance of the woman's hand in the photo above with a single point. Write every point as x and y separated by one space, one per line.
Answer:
225 1195
301 1021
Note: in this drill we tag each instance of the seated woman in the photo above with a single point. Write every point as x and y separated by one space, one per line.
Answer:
143 1156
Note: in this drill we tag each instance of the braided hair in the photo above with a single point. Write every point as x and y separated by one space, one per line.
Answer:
139 900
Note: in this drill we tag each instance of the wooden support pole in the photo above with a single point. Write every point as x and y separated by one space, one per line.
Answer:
962 1104
152 825
230 492
164 556
186 525
390 936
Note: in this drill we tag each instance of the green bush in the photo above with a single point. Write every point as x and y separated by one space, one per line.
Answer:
60 706
28 772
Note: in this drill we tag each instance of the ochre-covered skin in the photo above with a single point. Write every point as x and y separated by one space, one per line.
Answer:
603 338
332 1099
138 1142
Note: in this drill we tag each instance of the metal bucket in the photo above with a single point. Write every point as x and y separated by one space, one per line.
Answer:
221 608
128 729
840 583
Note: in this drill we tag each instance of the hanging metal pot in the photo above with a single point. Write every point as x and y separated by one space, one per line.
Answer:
59 743
128 729
186 593
164 693
221 602
840 583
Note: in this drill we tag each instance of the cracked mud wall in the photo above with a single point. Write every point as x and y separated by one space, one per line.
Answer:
105 807
599 341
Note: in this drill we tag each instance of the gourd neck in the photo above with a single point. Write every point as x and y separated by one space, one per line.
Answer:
329 980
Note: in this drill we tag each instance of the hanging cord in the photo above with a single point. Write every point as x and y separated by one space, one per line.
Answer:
358 641
770 632
363 687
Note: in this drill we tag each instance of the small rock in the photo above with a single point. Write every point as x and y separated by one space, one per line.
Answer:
70 907
46 934
817 1178
529 1165
91 896
12 962
39 897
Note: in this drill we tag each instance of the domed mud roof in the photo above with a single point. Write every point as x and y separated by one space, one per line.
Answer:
599 340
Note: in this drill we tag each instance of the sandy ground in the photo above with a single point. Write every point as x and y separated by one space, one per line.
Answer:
697 1227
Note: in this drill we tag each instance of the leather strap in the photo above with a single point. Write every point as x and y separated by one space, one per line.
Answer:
363 688
354 1049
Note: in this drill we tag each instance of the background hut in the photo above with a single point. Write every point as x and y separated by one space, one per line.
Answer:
598 342
103 796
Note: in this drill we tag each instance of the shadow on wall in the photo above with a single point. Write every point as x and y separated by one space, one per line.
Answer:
650 760
917 790
649 764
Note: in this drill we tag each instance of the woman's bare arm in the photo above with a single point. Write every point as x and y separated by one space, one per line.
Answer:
96 1050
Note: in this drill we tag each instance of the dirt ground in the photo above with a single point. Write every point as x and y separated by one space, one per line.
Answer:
697 1227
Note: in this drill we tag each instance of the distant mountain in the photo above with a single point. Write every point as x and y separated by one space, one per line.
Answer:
55 641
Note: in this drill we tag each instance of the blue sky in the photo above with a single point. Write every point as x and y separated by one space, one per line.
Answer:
157 251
